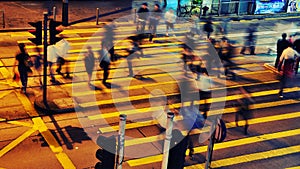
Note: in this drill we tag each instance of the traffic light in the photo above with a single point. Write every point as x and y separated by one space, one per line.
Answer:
54 31
106 154
37 32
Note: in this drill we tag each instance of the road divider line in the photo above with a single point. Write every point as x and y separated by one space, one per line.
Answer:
249 157
16 141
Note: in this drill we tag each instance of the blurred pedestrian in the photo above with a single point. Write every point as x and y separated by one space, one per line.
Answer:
250 40
208 27
89 62
61 49
143 14
287 59
154 21
38 65
109 37
205 9
170 19
132 53
281 45
24 62
104 60
243 109
52 58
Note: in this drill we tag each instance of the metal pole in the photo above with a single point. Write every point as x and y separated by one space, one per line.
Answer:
167 142
239 6
97 16
210 146
65 13
45 60
54 13
220 7
121 141
3 19
134 15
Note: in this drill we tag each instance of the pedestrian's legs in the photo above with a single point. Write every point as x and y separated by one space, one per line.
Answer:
24 78
237 119
167 28
190 146
282 85
51 72
129 62
143 26
277 60
105 73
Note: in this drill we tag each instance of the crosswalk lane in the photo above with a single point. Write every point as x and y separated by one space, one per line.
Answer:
77 44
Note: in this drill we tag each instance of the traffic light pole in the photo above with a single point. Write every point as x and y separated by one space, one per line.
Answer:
45 60
65 13
121 141
167 142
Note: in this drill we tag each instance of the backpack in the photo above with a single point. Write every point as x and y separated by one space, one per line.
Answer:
221 131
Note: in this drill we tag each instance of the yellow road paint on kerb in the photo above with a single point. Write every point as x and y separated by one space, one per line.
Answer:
250 157
16 141
53 144
152 159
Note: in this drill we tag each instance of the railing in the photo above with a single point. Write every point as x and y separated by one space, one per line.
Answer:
234 7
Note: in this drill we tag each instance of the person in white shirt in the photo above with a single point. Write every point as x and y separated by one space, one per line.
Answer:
287 59
170 19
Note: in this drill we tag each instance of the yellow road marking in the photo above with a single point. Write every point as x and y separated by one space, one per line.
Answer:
296 167
3 94
211 100
249 140
178 105
20 123
16 141
90 92
250 157
157 158
228 125
53 144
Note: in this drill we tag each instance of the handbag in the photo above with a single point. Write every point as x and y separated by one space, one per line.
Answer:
28 62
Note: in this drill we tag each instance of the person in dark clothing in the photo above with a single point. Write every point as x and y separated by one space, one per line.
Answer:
205 9
281 45
109 37
132 53
143 14
244 108
208 28
21 60
104 60
89 62
154 20
250 40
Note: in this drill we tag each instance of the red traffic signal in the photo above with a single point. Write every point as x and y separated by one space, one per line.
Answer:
54 31
37 32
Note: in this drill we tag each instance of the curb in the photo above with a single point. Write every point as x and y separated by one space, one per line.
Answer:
53 107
